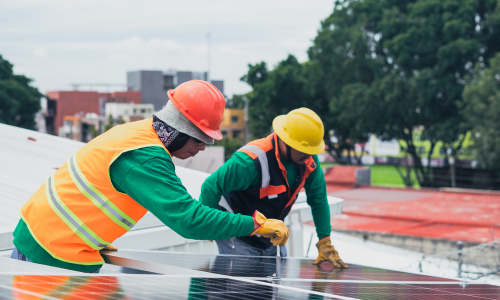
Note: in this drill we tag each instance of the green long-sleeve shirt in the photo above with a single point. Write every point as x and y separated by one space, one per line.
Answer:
240 173
148 176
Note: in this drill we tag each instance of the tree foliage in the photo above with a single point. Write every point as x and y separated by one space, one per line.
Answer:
18 100
384 67
230 146
481 109
274 93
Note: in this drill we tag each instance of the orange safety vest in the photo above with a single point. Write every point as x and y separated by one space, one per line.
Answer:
274 196
77 211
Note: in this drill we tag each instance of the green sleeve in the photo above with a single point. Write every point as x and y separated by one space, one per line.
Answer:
317 199
148 176
237 174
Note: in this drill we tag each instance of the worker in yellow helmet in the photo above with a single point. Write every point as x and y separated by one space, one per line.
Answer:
266 175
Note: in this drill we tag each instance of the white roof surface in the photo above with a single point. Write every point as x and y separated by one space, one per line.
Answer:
28 158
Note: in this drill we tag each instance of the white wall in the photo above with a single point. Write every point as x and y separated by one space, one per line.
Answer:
125 110
206 161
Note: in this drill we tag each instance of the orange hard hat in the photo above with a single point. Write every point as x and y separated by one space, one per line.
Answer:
202 104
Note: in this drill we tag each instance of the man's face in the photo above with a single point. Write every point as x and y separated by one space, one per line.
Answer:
299 157
192 147
296 156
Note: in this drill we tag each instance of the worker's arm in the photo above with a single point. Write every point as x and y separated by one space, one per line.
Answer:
148 176
237 174
317 199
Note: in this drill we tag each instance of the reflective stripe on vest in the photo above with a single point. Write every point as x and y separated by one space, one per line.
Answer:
71 219
264 164
87 189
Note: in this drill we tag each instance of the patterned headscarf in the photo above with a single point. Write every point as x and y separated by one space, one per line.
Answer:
171 138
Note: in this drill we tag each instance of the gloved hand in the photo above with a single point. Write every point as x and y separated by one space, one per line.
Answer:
270 228
109 248
328 253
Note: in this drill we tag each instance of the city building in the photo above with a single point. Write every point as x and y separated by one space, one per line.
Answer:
233 123
79 103
129 112
83 128
154 85
144 87
45 117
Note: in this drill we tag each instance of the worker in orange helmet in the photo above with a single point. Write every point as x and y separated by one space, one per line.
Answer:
103 190
267 175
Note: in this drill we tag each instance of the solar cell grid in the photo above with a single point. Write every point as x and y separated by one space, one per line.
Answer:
392 291
247 266
171 287
195 276
138 287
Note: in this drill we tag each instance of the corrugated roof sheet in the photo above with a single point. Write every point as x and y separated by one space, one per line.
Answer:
28 158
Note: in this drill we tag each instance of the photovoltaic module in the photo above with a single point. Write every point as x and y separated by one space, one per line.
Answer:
129 275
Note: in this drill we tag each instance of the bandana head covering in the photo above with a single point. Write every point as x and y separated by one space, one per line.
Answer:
171 138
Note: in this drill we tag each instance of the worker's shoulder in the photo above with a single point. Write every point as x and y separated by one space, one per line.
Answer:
242 158
145 154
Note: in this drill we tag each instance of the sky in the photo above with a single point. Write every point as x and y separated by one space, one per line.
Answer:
59 43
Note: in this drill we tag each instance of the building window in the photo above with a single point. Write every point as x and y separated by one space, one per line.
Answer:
168 82
235 119
143 110
236 133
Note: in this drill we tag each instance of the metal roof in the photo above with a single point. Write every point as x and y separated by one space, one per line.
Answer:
28 158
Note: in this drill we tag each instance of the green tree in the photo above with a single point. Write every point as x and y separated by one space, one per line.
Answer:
292 85
413 57
383 67
481 109
230 146
236 102
274 93
110 124
19 101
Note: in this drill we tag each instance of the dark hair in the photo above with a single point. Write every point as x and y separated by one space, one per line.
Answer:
180 140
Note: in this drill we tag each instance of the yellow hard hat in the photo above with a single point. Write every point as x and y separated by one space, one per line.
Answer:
302 130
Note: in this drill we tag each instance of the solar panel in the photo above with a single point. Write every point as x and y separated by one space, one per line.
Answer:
197 276
185 287
140 287
261 266
386 291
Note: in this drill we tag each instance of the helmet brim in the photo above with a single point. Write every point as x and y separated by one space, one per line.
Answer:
278 128
215 134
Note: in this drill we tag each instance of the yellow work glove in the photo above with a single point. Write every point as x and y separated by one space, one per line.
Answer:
109 248
328 253
271 228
